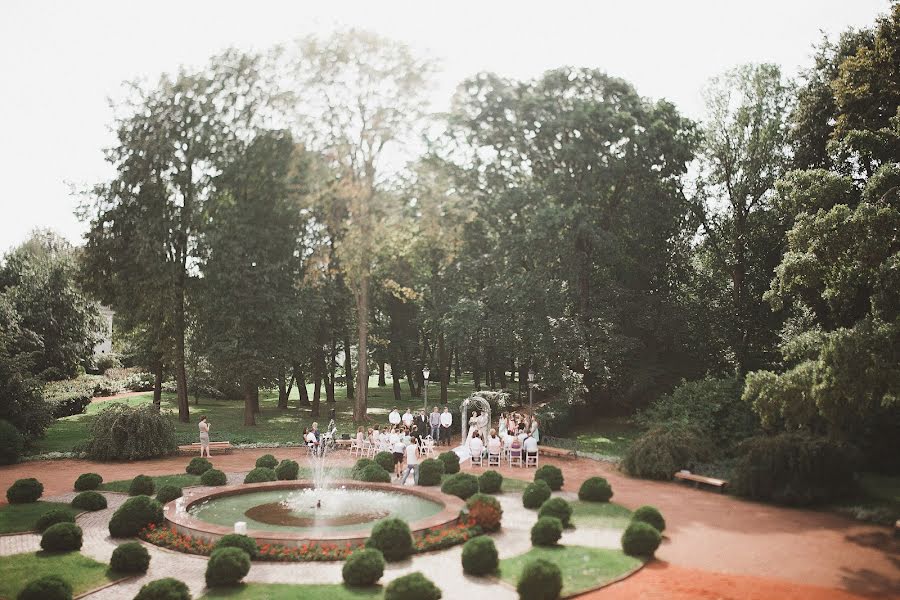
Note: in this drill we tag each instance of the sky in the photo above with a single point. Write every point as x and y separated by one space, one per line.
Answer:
62 61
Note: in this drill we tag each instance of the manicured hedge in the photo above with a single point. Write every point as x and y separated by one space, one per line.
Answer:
393 538
135 514
213 477
167 493
141 485
479 556
559 508
546 532
385 460
226 567
486 511
451 462
414 586
373 474
52 517
462 485
164 589
48 587
23 491
89 500
540 580
62 537
267 461
595 489
260 474
490 482
651 516
287 470
198 466
12 442
431 470
130 557
237 540
640 539
88 481
552 475
364 567
535 494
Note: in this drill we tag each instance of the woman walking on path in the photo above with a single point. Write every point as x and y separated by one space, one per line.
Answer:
204 436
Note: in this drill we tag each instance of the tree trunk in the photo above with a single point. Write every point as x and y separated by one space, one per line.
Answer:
738 272
283 392
360 407
443 363
317 385
331 373
381 380
157 385
180 374
456 371
301 385
501 374
328 382
411 381
476 371
395 378
348 369
256 408
249 402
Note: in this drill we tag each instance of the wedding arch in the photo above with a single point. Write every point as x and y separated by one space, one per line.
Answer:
476 403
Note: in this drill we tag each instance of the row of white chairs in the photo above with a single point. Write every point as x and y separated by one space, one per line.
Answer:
513 458
367 449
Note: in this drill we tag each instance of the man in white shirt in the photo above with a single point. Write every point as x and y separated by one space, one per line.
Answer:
394 417
531 445
412 463
494 444
407 418
446 422
476 446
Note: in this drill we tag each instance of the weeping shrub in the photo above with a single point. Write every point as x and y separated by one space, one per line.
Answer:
663 451
122 432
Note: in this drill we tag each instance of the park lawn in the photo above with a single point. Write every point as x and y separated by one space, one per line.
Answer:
284 591
22 517
180 480
582 568
600 514
81 572
513 486
606 437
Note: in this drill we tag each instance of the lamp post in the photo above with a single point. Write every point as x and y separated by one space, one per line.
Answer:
530 395
425 374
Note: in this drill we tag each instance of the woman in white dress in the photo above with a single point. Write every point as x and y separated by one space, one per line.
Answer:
473 425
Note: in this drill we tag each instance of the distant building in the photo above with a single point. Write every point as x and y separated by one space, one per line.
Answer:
104 346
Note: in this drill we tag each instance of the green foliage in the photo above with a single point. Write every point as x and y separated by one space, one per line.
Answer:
393 538
237 540
486 511
535 494
88 481
363 568
451 462
62 537
213 477
24 490
267 461
640 539
595 489
198 466
431 470
69 397
662 451
651 516
559 508
287 470
552 475
557 417
48 587
489 482
130 557
135 514
385 460
122 432
226 567
462 485
540 580
414 586
167 493
141 485
167 588
260 474
52 517
479 556
11 443
23 404
373 474
89 500
361 464
546 531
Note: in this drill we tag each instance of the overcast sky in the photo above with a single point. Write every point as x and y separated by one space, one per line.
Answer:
60 61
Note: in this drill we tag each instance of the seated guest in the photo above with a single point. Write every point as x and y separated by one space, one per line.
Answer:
531 445
516 447
494 444
476 446
360 435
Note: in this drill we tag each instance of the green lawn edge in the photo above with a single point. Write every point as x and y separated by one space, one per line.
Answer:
19 518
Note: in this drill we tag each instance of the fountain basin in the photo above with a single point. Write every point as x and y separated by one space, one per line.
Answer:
283 512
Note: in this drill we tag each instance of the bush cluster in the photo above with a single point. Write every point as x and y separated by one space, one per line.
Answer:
662 451
213 477
120 432
486 511
479 556
373 473
385 460
198 466
364 567
552 475
88 481
431 470
167 493
260 474
640 539
164 589
48 587
11 443
451 462
141 485
135 514
52 517
287 470
489 482
267 461
540 580
237 540
130 557
559 508
556 418
595 489
89 500
546 531
414 586
535 494
462 485
393 538
23 491
226 567
62 537
651 516
69 396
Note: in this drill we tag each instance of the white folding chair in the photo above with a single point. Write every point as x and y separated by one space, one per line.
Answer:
476 460
494 460
515 458
355 447
531 459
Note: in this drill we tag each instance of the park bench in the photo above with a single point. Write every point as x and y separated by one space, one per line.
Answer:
698 479
213 446
557 452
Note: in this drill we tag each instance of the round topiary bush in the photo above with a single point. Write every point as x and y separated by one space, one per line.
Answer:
164 589
414 586
373 474
385 460
540 580
89 500
462 485
489 482
535 494
363 567
48 587
52 517
479 556
213 477
227 566
267 461
142 485
546 532
167 493
640 539
451 462
62 537
88 481
362 463
431 470
198 466
651 516
559 508
287 470
24 491
135 514
393 538
552 475
130 557
486 511
11 443
260 474
237 540
595 489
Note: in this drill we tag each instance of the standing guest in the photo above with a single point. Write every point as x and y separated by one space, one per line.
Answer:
204 436
394 417
501 425
535 432
407 418
397 448
421 423
415 434
446 423
412 463
434 421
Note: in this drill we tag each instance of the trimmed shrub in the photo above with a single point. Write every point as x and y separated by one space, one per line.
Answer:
385 460
141 485
546 532
540 580
431 470
486 511
362 463
451 462
89 500
535 494
198 466
267 461
462 485
640 539
595 489
213 477
414 586
559 508
363 567
167 493
135 514
663 451
260 474
11 443
23 491
393 538
489 482
373 474
120 432
130 557
552 475
48 587
287 470
164 589
237 540
52 517
226 567
479 556
88 481
651 516
62 537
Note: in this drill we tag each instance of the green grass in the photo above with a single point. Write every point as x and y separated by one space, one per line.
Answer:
81 572
22 517
608 437
283 591
600 514
513 486
180 480
582 568
878 500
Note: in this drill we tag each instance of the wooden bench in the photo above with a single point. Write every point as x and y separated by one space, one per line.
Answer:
213 446
557 452
698 479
